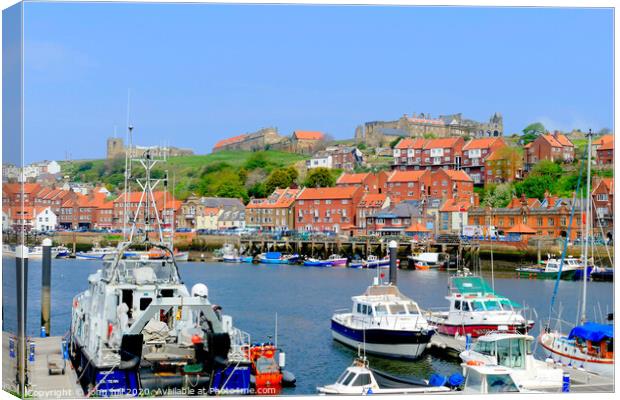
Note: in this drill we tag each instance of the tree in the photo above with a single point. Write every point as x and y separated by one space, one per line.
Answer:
361 146
547 168
532 131
498 196
534 186
319 177
292 172
394 142
258 191
256 160
279 178
232 190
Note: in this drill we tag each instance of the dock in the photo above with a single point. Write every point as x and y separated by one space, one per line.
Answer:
585 382
40 383
446 345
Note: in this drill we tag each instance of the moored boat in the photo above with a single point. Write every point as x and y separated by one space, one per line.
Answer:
96 253
314 262
385 322
338 261
550 268
36 252
476 309
427 260
372 262
268 374
275 257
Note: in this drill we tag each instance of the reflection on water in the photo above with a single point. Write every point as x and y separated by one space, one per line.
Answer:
304 298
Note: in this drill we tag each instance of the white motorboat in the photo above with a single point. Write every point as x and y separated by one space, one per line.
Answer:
428 260
36 252
513 351
489 379
96 253
359 379
385 322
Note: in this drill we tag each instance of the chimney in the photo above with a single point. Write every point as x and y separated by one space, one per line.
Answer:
523 200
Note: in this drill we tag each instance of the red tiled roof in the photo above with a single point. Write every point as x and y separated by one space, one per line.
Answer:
352 178
211 211
603 139
482 143
521 228
406 176
230 140
452 205
410 143
417 227
515 202
563 140
459 175
281 198
607 145
441 143
327 193
609 182
308 135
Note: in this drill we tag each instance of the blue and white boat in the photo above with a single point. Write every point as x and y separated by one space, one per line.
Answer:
372 262
275 257
96 253
314 262
384 322
61 251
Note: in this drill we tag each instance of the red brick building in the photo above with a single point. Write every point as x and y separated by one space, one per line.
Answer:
475 154
173 207
369 182
552 147
370 204
306 142
603 207
408 185
417 154
604 148
327 209
451 184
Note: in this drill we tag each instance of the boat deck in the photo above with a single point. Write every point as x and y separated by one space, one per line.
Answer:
585 382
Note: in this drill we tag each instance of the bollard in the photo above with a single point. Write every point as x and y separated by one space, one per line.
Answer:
46 287
21 272
11 347
31 352
65 349
566 382
393 246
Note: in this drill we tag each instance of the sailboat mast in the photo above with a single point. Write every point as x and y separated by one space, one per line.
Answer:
587 231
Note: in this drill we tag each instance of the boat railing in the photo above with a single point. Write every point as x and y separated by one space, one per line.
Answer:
240 342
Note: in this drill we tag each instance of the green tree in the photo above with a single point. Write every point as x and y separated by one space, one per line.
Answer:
292 173
394 142
498 196
232 190
256 160
534 186
429 135
243 174
532 131
258 191
547 168
319 177
279 178
361 146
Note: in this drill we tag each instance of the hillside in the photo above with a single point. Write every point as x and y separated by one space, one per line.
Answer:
229 173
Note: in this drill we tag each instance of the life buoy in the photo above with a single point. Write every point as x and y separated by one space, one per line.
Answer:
474 362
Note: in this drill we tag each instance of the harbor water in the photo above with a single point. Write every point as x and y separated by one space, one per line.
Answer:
304 299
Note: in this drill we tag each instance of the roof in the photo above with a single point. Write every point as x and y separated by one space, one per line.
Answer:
481 143
373 200
352 178
406 176
516 202
211 210
134 197
410 143
308 135
521 228
230 140
404 209
606 145
452 205
417 227
327 193
441 143
592 331
557 140
457 175
603 140
280 198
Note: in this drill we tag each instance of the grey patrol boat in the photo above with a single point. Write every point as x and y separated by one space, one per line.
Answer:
138 330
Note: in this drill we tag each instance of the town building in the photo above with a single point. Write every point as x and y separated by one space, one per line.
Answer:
44 219
370 203
306 142
208 219
331 209
14 193
398 218
475 154
416 154
132 200
231 219
381 133
603 207
453 216
604 150
191 210
408 185
223 203
368 181
504 165
551 147
451 184
341 157
274 213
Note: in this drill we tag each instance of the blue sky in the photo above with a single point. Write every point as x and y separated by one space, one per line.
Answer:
199 73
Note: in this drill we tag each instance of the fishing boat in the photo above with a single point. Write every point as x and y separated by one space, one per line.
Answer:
315 262
275 257
588 345
427 260
138 329
550 268
513 351
61 251
338 261
476 309
36 252
360 379
372 262
602 275
268 373
385 322
158 254
96 253
8 251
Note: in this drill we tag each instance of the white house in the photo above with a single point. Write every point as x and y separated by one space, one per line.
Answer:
320 159
6 220
45 220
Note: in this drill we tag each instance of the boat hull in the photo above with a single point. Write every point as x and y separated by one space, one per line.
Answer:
575 358
317 264
534 273
383 342
477 330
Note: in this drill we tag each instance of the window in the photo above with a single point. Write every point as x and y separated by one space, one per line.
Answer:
539 221
465 306
551 221
362 380
601 197
457 304
398 309
380 310
501 384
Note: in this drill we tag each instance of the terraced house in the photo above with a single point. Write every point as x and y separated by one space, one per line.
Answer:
552 147
417 154
274 213
475 154
331 209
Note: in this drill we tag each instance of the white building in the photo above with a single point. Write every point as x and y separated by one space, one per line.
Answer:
6 221
45 220
321 159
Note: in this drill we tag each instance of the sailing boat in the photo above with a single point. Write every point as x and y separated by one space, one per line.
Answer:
589 345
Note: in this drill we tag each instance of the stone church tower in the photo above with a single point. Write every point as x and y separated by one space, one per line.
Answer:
115 148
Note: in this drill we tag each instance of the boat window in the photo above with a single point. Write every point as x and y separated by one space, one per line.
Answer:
413 308
397 309
144 303
342 376
362 380
348 379
359 308
369 310
477 305
484 347
380 310
266 365
506 304
364 309
465 306
510 353
501 384
457 304
492 305
610 346
473 381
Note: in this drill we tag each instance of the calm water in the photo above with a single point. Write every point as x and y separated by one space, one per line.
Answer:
304 298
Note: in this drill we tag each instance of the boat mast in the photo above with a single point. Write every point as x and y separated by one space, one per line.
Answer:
127 169
587 230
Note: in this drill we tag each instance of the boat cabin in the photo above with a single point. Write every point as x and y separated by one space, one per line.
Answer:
504 349
381 301
595 340
473 294
488 380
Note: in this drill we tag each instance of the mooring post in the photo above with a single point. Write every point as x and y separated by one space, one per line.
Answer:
393 246
21 270
46 287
